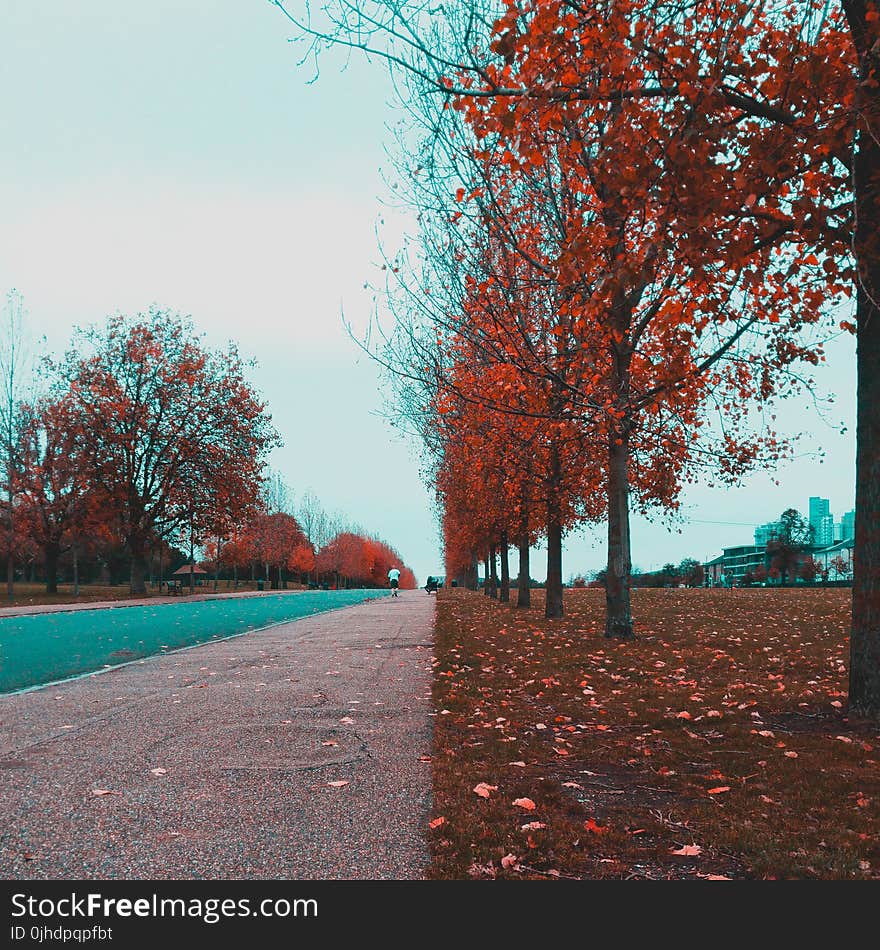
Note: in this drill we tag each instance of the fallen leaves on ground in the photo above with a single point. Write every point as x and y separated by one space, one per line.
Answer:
484 790
688 850
525 803
758 673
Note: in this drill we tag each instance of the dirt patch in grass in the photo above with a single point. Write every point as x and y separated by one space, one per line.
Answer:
716 744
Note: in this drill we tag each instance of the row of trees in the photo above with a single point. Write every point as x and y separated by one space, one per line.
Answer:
637 219
806 569
277 547
144 443
620 276
688 573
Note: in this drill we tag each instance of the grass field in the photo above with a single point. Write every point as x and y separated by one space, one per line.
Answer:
27 595
716 745
44 647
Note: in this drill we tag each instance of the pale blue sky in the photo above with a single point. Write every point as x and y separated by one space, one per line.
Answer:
172 152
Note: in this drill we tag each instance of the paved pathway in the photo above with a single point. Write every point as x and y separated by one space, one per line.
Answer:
250 733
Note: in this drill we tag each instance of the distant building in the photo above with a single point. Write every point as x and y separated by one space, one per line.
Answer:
712 571
766 532
842 550
734 563
820 508
830 541
823 531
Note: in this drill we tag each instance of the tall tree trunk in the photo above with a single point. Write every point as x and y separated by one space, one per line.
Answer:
10 543
553 604
235 575
51 552
474 573
864 667
192 565
524 588
138 578
493 573
618 618
486 576
504 593
467 575
75 556
137 549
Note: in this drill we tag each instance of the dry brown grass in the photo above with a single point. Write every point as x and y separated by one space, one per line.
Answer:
721 732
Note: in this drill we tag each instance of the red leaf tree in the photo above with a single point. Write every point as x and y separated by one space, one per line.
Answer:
170 431
59 508
351 560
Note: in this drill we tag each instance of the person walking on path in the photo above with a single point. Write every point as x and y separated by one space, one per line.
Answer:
394 580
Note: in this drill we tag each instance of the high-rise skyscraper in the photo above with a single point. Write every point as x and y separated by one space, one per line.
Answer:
823 536
848 523
819 510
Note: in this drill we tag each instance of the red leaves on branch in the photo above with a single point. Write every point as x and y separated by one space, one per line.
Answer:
169 433
275 541
665 241
354 559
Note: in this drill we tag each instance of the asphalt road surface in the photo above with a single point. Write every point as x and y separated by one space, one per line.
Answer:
226 761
